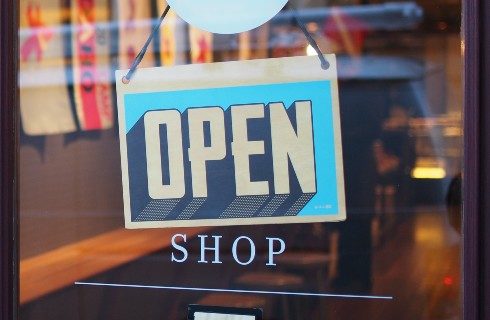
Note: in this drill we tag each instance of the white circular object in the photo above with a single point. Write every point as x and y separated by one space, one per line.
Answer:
227 16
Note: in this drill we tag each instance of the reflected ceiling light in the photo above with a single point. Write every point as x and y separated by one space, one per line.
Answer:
428 173
310 51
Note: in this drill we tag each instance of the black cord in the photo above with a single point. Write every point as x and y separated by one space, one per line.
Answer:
324 63
141 54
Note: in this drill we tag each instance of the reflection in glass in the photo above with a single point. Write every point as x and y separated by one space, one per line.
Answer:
399 75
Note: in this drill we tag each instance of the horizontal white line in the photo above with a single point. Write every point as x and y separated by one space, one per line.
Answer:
329 295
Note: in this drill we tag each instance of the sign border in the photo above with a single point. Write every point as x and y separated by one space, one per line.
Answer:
222 75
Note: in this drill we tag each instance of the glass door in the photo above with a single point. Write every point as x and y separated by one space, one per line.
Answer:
400 91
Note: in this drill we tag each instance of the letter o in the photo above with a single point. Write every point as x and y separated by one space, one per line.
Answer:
252 251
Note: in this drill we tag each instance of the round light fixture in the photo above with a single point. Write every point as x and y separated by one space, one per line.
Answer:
227 16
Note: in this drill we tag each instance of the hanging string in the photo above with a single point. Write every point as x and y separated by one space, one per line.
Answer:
324 63
137 60
141 54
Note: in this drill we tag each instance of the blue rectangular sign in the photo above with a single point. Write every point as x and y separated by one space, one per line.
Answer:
249 142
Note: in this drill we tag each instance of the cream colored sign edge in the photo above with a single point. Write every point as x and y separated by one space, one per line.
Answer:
226 74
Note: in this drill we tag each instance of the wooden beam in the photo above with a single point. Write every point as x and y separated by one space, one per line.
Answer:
473 207
59 268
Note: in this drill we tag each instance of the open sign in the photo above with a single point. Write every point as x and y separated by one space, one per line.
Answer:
231 143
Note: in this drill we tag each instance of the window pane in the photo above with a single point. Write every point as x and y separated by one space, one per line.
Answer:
396 256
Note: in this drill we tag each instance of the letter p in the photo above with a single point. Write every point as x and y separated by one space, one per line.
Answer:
272 253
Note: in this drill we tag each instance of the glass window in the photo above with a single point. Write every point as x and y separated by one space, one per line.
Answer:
397 255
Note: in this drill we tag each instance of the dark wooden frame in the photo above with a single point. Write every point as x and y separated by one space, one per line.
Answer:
476 173
476 182
484 156
8 159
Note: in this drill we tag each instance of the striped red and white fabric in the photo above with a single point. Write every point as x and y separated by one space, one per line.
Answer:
172 38
45 106
201 45
261 41
91 63
344 33
244 46
135 25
